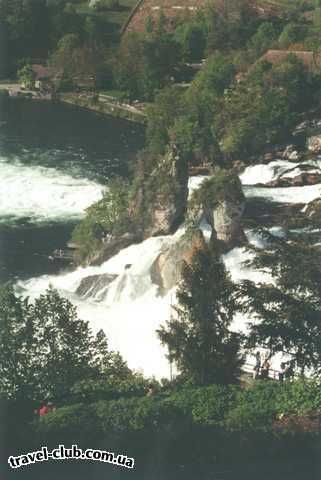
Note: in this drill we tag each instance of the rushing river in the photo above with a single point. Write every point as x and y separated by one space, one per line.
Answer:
54 161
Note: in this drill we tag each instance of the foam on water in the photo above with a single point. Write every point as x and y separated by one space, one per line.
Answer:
42 194
234 263
195 182
285 195
259 240
265 173
130 310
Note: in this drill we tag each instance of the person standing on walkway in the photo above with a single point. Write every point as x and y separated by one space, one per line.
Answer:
265 369
289 372
257 366
281 373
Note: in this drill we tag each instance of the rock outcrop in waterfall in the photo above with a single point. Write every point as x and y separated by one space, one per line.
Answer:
161 199
157 204
313 211
314 144
160 203
220 200
166 269
219 203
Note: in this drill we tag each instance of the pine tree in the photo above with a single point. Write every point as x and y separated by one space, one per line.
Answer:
16 375
199 339
45 348
286 314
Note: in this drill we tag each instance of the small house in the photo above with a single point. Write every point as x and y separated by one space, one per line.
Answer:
42 77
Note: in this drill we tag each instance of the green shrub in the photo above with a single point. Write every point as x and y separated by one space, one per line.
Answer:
106 5
254 408
191 424
88 237
206 406
108 215
74 422
136 414
111 388
300 397
111 212
292 33
222 186
27 76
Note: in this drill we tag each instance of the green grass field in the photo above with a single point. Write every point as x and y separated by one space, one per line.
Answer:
116 17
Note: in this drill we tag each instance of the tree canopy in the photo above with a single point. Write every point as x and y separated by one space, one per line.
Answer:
45 348
198 337
286 314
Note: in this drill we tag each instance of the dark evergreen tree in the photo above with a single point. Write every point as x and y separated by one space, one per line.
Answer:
45 348
199 340
286 314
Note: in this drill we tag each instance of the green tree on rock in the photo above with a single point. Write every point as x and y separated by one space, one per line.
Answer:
199 339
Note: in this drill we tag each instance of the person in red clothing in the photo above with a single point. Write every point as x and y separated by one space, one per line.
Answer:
46 408
43 410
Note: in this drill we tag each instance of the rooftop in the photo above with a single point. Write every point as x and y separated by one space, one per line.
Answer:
41 71
311 60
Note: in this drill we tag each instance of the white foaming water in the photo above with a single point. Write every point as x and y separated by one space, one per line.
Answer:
195 182
265 173
285 195
258 240
131 309
43 194
234 263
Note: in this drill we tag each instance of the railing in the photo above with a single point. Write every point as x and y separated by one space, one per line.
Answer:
272 373
62 255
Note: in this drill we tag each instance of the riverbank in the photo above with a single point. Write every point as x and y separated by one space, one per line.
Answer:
14 90
99 102
104 104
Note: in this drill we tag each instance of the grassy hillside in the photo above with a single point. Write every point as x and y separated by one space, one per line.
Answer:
112 18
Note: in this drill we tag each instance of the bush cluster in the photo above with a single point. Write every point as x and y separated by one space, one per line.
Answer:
231 408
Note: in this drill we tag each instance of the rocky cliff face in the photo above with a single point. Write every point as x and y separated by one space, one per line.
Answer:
313 210
223 214
314 144
226 223
111 246
158 207
166 270
94 284
221 201
164 195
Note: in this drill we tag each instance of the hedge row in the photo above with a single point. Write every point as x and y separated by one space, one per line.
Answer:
189 426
